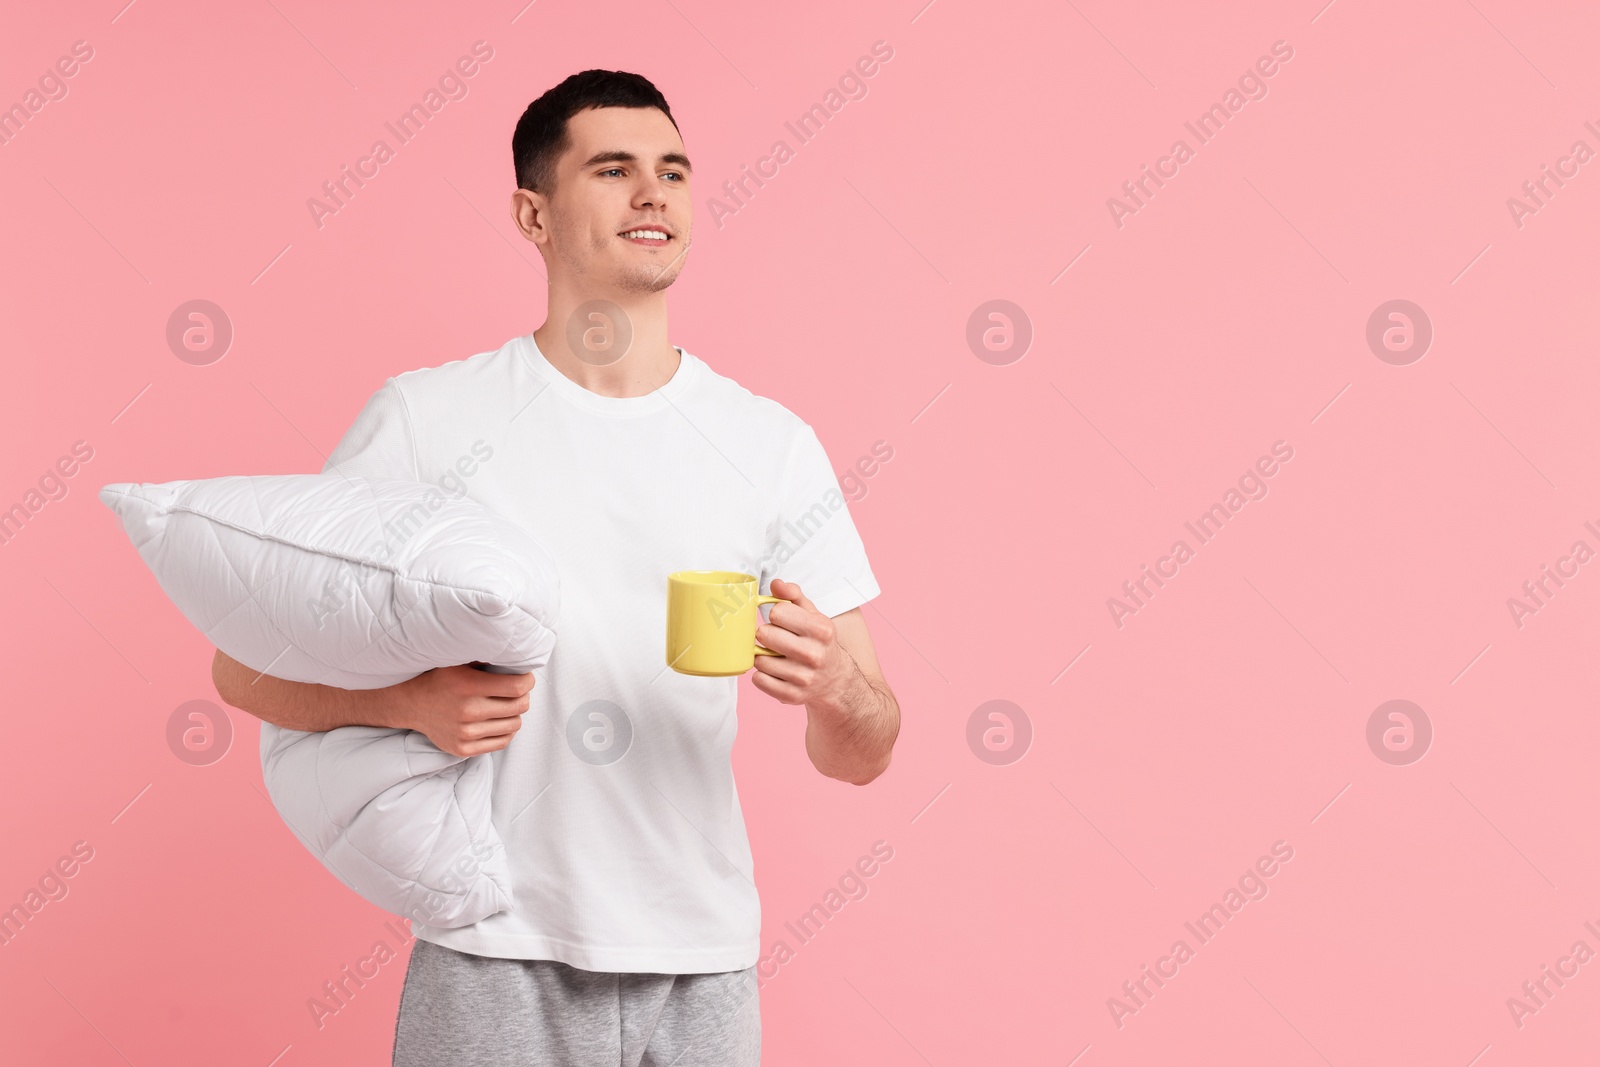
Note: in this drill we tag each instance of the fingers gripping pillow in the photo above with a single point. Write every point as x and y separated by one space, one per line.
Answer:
361 583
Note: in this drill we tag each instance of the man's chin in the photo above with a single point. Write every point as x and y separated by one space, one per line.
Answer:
650 281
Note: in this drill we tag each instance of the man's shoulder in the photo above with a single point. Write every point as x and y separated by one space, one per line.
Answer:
726 396
468 372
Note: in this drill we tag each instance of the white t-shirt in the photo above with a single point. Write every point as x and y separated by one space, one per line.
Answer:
616 798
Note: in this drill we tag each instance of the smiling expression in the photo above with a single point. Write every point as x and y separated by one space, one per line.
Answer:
620 214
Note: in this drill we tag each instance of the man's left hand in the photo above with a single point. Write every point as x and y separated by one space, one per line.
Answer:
812 667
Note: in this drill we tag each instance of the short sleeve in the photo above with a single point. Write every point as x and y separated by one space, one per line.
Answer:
814 542
379 444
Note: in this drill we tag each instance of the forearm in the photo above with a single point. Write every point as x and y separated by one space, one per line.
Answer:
851 739
298 705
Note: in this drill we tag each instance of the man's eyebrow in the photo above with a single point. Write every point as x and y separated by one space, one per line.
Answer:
617 155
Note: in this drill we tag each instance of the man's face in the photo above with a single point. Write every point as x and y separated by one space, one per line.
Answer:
625 172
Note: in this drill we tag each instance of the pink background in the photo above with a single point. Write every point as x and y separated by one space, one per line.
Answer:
1227 314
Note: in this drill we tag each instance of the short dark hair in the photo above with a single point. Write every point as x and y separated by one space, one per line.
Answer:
541 134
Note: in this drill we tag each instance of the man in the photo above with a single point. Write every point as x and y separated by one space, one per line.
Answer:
636 928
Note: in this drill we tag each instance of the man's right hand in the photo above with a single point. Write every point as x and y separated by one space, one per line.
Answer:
462 710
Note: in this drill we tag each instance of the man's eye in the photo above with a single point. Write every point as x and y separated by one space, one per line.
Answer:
612 170
673 174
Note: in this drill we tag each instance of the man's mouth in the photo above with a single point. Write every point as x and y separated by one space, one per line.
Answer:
647 237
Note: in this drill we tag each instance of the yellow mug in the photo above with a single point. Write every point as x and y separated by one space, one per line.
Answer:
711 622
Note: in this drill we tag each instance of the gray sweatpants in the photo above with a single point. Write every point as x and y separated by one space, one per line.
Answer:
460 1009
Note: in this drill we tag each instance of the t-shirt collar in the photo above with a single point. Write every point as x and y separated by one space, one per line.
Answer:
668 392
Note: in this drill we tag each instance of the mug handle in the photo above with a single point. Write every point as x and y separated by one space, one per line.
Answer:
764 599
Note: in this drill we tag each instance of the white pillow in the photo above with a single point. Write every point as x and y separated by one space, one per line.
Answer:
354 582
361 583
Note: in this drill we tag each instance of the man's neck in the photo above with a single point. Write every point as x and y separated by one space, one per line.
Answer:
649 362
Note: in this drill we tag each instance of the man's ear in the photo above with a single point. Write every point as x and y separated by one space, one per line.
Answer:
530 213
